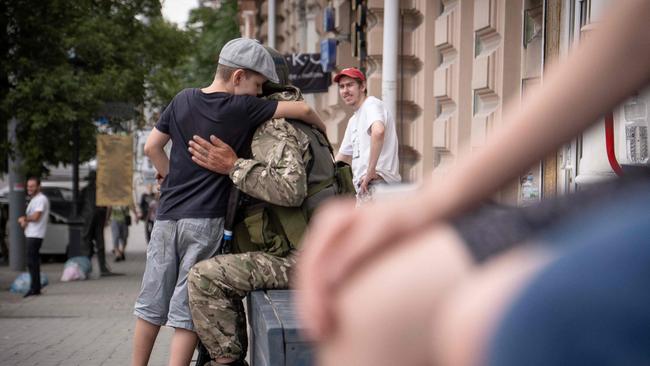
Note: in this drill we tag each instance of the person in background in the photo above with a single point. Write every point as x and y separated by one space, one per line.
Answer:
95 219
120 222
370 141
34 222
576 295
145 201
152 211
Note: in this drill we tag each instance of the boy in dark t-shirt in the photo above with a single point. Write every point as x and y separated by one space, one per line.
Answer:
189 224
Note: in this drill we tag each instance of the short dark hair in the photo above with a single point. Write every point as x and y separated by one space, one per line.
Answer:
37 179
225 72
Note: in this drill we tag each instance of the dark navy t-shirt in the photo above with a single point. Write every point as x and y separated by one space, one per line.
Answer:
190 191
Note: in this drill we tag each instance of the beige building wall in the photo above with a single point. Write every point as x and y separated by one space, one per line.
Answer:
461 63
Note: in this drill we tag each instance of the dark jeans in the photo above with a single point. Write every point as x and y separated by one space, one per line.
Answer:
4 251
147 230
493 229
590 305
34 262
93 236
3 233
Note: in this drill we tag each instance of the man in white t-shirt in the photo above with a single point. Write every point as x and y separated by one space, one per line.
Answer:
370 142
35 224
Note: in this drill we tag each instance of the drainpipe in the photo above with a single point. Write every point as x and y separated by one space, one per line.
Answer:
609 143
389 59
16 204
271 22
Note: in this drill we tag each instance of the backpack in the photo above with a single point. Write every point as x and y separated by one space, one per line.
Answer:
278 230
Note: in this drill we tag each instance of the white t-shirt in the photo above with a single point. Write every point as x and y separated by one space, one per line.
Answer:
36 229
356 142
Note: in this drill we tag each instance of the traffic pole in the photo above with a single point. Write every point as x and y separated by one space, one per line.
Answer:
16 203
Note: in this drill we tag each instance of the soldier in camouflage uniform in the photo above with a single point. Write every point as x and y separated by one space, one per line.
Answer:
276 174
280 176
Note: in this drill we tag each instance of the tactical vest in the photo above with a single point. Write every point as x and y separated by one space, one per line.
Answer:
276 229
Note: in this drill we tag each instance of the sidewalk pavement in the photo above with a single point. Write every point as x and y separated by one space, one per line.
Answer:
77 323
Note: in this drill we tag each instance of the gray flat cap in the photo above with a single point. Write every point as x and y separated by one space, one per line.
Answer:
247 53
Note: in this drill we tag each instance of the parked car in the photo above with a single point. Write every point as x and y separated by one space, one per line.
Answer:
57 238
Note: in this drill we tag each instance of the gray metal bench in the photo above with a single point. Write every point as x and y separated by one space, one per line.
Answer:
275 331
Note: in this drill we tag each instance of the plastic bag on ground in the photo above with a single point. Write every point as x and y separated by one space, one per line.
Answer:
76 269
23 282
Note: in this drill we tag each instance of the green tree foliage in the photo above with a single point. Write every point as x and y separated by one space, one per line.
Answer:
208 30
168 77
211 29
70 62
65 59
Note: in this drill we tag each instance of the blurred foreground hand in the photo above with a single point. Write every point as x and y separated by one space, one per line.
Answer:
339 240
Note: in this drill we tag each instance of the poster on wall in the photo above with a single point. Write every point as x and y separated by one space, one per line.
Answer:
114 170
306 73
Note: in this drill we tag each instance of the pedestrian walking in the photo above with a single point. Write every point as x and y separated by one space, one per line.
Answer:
120 222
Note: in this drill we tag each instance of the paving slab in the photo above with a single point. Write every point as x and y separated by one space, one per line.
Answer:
77 323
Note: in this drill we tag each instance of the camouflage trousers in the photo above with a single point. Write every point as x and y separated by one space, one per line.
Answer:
216 287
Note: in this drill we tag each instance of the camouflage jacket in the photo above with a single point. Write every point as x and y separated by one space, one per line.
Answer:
280 154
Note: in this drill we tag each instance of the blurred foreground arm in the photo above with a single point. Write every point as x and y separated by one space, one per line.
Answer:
574 95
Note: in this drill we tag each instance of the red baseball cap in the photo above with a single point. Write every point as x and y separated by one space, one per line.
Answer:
352 72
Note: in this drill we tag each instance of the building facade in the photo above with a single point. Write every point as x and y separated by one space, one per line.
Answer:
461 65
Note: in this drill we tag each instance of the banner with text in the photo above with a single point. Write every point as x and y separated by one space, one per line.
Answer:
306 73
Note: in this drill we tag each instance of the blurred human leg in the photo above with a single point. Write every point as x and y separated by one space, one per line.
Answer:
590 306
580 297
385 311
115 235
467 316
123 234
98 233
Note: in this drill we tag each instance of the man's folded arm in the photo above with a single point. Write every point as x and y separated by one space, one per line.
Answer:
277 173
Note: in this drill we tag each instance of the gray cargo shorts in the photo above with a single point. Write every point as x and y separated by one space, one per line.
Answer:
175 246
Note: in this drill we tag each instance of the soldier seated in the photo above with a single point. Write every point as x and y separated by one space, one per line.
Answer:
290 172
